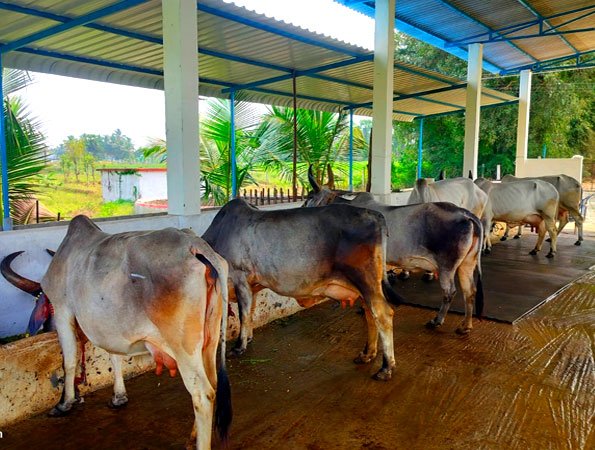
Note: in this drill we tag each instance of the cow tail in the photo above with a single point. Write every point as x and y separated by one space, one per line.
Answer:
223 408
479 284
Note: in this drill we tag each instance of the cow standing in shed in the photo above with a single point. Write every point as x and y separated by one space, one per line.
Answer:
309 254
162 291
525 201
570 193
416 240
460 191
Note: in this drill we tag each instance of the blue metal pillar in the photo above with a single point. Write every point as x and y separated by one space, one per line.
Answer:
351 149
234 182
420 147
6 220
544 151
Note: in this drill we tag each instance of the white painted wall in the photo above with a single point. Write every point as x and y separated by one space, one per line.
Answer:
536 167
152 185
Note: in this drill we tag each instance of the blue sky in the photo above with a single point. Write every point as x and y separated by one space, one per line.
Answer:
70 106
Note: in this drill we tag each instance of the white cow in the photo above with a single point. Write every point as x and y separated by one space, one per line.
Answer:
460 191
570 192
524 201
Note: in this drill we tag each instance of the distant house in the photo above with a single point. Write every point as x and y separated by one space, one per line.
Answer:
133 183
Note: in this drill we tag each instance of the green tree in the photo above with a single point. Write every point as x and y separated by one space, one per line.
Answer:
215 148
322 139
25 148
75 149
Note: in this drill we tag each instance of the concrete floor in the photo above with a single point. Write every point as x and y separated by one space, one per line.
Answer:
529 385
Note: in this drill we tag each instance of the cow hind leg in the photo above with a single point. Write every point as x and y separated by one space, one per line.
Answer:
119 399
382 316
65 325
447 283
465 273
245 300
203 397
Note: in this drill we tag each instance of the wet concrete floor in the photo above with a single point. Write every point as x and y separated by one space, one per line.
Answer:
530 385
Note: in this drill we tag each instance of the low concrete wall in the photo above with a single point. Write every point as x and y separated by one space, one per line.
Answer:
537 167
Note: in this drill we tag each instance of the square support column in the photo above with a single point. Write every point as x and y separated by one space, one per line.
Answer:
522 132
382 123
180 64
472 109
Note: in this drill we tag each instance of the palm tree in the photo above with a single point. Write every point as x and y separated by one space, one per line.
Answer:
215 148
25 148
322 139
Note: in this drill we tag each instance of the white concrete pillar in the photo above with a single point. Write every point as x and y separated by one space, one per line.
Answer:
522 132
384 47
472 109
180 68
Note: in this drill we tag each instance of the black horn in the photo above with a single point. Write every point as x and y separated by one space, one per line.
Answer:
312 179
471 174
24 284
50 252
441 175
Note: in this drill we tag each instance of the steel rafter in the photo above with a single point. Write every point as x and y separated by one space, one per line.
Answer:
66 26
552 30
478 22
558 64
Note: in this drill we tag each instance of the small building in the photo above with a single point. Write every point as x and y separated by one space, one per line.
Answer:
133 183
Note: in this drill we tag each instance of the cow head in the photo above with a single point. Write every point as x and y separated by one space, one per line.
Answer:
42 312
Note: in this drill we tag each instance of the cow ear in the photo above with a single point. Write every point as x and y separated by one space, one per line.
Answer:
312 179
331 177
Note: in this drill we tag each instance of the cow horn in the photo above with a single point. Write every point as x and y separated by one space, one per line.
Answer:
50 252
441 175
24 284
312 179
470 174
331 177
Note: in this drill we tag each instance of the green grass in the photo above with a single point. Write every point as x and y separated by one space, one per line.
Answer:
68 197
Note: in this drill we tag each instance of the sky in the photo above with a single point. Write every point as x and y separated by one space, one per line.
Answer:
71 106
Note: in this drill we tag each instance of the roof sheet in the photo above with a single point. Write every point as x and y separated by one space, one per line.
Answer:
238 49
517 34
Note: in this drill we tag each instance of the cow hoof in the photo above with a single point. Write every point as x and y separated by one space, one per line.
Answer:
117 402
383 375
363 359
487 251
550 255
432 325
533 252
237 351
503 238
516 237
428 276
404 275
463 331
61 410
578 243
548 240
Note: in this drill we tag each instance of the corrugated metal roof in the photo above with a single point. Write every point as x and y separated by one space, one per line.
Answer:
238 49
517 34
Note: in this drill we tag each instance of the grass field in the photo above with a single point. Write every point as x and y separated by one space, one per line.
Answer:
69 197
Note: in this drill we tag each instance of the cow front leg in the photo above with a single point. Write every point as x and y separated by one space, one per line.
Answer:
65 325
245 299
447 283
370 350
119 399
